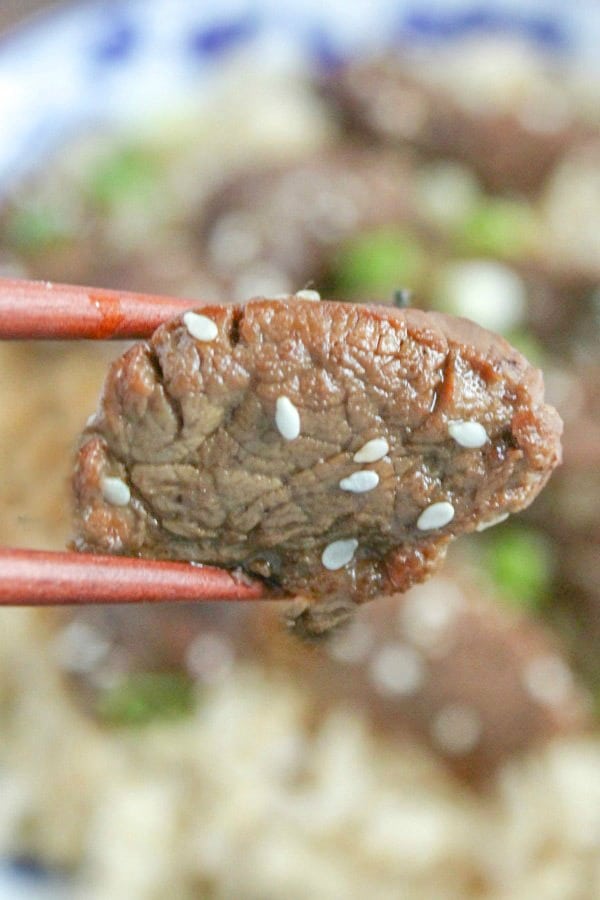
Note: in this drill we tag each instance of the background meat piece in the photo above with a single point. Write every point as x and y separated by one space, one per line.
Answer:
359 222
568 512
474 681
571 207
273 229
444 663
333 449
510 152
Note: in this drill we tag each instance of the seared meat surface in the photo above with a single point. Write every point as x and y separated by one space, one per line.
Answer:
332 449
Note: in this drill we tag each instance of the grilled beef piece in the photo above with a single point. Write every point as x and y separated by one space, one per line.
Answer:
330 448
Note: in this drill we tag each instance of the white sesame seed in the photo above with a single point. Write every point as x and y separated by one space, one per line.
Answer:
457 729
360 482
435 516
548 680
115 491
339 553
468 434
200 327
372 451
397 669
287 419
502 517
313 296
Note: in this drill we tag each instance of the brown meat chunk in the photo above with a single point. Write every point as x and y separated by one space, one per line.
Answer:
280 224
448 663
508 152
240 449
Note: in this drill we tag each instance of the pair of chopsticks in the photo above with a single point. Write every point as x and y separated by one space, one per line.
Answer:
34 310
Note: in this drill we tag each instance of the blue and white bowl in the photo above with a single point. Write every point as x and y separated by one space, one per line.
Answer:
105 63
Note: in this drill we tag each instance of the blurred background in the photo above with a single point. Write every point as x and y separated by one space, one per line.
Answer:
443 154
14 12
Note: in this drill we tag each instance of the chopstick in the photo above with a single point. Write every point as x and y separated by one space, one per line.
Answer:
42 310
39 310
54 578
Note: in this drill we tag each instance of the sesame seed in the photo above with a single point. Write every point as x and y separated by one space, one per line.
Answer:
287 419
115 491
491 522
339 553
457 729
548 680
200 327
372 451
313 296
397 669
360 482
468 434
435 516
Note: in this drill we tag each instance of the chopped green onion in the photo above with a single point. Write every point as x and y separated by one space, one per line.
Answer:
498 227
379 262
131 173
31 229
146 697
519 560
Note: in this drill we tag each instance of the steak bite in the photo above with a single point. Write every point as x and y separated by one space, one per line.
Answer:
330 448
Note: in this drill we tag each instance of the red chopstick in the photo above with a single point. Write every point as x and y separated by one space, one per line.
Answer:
41 310
46 578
